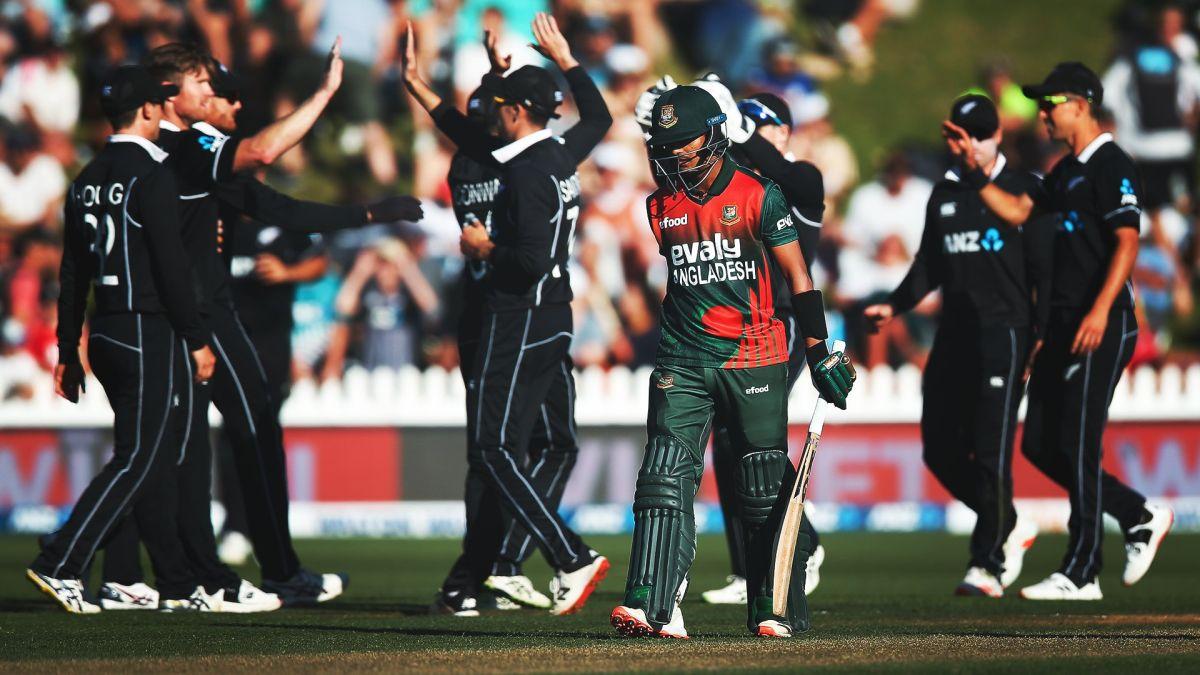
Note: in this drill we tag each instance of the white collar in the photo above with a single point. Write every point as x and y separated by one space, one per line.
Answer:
209 130
169 126
506 154
1092 147
156 153
1001 160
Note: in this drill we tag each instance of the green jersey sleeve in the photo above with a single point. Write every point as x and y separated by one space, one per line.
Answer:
775 220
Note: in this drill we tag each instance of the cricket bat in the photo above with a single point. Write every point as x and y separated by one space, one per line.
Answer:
785 550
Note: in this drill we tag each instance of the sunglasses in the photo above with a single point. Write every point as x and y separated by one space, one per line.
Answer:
1048 103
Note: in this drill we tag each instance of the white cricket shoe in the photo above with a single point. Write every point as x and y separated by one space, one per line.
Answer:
1058 587
234 549
519 590
979 583
773 629
247 599
675 628
631 622
1019 541
198 601
134 596
812 570
66 592
733 593
1142 542
571 590
491 600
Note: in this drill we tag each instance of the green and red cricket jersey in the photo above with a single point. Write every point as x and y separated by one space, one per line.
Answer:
719 311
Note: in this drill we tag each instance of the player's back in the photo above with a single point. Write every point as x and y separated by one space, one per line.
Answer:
719 310
106 209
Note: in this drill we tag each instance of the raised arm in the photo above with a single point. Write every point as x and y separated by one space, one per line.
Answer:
277 138
594 117
1013 209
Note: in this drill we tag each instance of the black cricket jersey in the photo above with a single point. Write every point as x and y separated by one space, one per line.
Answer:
1091 196
200 161
804 189
266 306
533 224
982 264
123 238
473 188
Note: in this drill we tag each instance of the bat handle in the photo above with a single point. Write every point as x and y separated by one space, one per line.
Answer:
818 416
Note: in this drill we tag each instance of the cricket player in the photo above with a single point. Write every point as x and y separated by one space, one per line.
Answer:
723 355
1093 193
974 380
124 247
492 555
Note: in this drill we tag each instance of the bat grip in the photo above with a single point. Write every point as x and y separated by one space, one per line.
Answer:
817 423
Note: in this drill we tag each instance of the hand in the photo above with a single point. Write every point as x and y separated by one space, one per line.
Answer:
1033 353
961 145
1090 333
69 381
408 63
475 242
643 112
551 43
333 68
834 378
271 269
205 362
739 127
392 209
500 62
878 316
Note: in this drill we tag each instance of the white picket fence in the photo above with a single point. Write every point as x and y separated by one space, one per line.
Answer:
409 397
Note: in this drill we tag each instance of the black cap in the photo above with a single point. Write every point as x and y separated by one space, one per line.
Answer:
976 114
224 83
481 104
767 109
129 87
682 114
1071 77
531 87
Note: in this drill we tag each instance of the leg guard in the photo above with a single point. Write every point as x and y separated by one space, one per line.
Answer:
764 479
664 531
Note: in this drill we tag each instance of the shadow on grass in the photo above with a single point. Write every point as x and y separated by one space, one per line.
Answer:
29 605
425 632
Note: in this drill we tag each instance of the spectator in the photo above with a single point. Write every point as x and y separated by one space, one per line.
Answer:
32 183
386 290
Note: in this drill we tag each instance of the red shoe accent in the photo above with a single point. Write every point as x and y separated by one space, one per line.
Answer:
601 572
629 625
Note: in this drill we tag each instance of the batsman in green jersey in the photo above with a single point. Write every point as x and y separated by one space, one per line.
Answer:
723 354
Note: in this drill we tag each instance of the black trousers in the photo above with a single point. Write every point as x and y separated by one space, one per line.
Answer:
521 376
273 344
971 390
135 357
250 418
1064 432
725 465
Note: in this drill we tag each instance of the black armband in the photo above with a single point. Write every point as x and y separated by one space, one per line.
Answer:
809 307
976 179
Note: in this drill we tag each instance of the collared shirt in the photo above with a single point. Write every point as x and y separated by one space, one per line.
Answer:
156 153
1092 195
505 154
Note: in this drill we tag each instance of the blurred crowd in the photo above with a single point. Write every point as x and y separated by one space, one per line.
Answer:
387 295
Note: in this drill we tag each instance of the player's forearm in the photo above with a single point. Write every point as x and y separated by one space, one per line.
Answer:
425 95
271 207
268 145
594 116
308 270
1012 209
1119 269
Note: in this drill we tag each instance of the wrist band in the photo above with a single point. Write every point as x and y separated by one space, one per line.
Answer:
976 178
809 307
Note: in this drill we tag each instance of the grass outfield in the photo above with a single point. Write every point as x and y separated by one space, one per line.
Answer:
884 604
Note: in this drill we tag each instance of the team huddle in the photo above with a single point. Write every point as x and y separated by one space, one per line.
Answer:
1034 276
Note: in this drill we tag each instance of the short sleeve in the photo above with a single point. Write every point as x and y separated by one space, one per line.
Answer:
775 221
1118 193
208 158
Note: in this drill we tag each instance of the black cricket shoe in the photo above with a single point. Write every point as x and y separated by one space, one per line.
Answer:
307 588
455 603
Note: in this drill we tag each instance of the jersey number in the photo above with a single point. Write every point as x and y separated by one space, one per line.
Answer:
102 245
573 216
